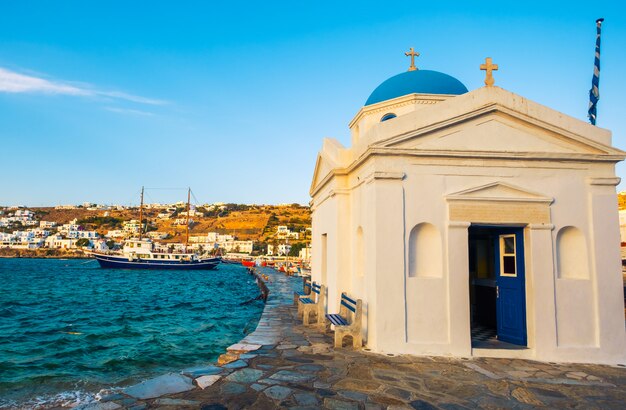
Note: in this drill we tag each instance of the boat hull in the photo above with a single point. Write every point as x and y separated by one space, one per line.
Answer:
119 262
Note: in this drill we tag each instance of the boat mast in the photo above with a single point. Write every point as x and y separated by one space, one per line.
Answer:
141 215
187 235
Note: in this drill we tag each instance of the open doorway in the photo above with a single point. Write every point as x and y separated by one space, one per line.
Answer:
497 287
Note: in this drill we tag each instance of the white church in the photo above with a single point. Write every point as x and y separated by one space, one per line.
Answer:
472 223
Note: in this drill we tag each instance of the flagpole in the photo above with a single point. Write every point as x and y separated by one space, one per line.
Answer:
594 92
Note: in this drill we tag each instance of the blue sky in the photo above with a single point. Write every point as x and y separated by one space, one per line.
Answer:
100 98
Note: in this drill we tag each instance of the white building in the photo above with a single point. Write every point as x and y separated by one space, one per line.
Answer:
65 207
115 233
454 211
47 224
131 227
99 245
282 232
237 246
58 242
305 253
157 235
283 250
69 229
87 235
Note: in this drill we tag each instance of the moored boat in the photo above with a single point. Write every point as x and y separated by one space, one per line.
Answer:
248 263
139 254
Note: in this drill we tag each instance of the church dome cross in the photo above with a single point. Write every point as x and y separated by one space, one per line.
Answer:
489 68
413 54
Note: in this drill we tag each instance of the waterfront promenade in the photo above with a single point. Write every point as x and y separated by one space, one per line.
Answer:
297 367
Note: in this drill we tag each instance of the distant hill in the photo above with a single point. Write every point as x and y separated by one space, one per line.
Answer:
247 222
621 200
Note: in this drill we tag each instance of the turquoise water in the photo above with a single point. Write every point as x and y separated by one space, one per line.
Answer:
69 328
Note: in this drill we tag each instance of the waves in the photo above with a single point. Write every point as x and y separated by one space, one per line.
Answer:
78 328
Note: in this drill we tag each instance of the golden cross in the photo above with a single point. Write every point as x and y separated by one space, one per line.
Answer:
488 67
413 54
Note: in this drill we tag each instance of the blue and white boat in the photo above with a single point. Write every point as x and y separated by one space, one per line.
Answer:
140 254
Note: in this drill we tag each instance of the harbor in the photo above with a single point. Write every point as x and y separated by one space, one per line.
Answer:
392 207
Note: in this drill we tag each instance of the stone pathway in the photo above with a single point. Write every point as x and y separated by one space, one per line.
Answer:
286 365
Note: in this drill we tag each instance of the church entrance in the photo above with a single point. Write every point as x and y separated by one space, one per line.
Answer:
497 286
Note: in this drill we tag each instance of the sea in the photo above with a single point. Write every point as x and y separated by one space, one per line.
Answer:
71 331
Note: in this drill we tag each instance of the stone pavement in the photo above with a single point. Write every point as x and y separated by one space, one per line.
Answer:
286 365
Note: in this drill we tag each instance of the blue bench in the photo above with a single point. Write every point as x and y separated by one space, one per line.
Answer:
306 291
347 321
313 303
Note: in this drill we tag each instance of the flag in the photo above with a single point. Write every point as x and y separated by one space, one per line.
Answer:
594 93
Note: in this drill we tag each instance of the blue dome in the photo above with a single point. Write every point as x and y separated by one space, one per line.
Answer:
416 82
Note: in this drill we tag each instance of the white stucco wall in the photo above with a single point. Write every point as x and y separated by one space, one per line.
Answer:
525 156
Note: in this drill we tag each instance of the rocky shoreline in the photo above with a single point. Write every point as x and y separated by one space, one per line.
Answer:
43 253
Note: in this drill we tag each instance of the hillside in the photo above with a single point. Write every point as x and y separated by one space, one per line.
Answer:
245 222
621 200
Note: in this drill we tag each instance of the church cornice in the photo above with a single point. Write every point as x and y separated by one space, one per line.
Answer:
390 105
503 155
498 109
484 155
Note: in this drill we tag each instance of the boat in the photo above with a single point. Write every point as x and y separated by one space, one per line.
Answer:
304 272
248 263
140 253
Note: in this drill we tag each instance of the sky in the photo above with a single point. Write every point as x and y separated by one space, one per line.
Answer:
233 99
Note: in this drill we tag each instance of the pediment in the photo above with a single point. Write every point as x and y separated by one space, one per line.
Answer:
498 191
322 168
501 132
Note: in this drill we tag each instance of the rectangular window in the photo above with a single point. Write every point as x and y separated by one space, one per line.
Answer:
508 256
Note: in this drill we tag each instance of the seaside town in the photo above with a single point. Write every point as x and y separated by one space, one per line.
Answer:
422 222
256 229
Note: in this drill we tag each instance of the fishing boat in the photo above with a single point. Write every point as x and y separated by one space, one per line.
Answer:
140 253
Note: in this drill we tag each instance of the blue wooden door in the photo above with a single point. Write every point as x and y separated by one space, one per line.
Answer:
510 290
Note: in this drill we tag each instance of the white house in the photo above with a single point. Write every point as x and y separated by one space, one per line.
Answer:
282 232
115 233
47 224
58 242
305 253
87 234
283 249
455 213
237 246
99 245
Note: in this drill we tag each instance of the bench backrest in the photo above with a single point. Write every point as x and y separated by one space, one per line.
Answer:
306 287
320 290
350 305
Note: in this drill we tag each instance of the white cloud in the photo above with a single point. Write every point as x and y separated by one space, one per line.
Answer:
12 82
128 111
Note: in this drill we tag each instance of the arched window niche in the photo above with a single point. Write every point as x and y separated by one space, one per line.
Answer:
359 253
388 116
571 254
425 256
